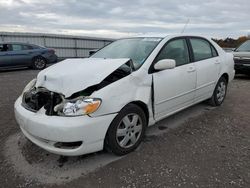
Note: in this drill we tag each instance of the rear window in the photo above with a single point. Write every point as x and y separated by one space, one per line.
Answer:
16 47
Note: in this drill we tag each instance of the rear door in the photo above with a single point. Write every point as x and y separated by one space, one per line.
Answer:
174 89
208 65
5 56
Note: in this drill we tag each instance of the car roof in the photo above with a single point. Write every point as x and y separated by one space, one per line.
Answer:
15 43
168 36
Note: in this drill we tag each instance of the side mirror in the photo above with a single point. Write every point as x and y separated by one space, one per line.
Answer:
165 64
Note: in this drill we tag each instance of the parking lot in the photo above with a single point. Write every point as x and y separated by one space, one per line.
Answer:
198 147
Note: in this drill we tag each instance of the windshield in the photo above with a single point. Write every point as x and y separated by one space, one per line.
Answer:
245 47
137 49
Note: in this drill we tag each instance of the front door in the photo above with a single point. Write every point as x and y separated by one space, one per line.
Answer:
5 56
174 89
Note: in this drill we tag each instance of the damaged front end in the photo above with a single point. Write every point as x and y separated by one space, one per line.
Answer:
37 98
78 104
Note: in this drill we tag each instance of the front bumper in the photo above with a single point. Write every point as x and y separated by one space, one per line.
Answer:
45 131
242 66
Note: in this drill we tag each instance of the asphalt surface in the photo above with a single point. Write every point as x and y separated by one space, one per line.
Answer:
198 147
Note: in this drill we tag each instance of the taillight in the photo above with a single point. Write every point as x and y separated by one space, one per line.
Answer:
52 51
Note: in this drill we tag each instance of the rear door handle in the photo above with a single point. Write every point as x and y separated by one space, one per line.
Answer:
191 69
217 62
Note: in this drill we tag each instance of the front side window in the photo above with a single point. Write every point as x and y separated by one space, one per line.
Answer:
16 47
136 49
201 49
177 50
4 47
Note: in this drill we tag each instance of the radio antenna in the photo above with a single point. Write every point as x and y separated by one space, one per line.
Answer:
185 26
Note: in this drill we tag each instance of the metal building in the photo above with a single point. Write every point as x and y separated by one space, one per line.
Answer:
66 46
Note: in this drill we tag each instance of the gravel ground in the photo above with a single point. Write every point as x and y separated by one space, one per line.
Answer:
199 147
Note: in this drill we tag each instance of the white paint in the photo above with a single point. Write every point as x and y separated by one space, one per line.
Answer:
174 90
165 64
73 75
44 132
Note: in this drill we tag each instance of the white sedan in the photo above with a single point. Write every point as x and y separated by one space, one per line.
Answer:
81 106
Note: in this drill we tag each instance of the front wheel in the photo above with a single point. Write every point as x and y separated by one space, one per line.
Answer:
220 92
126 131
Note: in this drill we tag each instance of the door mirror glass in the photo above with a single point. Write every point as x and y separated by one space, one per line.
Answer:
165 64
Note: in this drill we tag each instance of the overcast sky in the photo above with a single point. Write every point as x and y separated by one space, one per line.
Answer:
116 18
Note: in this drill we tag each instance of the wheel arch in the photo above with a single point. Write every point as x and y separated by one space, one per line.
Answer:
38 56
226 76
144 107
139 104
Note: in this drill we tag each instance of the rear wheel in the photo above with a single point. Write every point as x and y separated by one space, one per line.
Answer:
126 131
220 92
39 63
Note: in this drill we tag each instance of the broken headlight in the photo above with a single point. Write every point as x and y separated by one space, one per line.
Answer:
29 86
78 107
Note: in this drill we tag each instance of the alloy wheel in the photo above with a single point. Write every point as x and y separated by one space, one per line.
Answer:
221 92
39 63
129 130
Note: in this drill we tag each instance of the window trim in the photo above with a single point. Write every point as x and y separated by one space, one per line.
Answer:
210 45
151 69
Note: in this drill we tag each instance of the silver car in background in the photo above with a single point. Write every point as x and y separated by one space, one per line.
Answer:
242 58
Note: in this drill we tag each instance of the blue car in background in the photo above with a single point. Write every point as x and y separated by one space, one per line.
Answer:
14 54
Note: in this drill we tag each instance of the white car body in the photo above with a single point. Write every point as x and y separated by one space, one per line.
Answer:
160 94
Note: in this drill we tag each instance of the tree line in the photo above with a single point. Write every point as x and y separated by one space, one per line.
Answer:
230 42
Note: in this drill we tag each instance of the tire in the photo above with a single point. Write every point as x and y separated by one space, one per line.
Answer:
130 133
39 63
220 92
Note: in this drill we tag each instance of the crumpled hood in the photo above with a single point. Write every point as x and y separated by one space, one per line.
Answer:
73 75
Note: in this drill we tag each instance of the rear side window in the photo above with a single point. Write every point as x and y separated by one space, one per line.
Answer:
176 49
214 52
202 49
